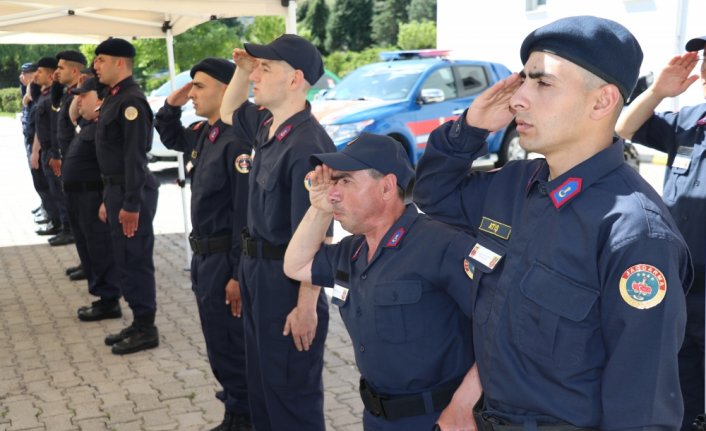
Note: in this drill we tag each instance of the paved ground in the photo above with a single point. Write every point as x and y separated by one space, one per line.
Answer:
56 373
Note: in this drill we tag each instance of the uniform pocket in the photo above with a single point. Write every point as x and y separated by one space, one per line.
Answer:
399 316
555 317
478 265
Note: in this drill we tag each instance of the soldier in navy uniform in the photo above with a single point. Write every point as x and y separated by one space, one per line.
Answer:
42 150
579 312
219 200
284 374
84 190
681 135
401 284
123 136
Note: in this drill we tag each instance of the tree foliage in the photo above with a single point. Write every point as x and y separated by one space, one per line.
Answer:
349 27
264 29
417 35
387 14
13 56
316 21
343 62
422 10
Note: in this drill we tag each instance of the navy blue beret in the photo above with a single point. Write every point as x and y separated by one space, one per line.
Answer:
48 62
70 55
296 51
216 68
696 44
370 151
116 48
28 67
601 46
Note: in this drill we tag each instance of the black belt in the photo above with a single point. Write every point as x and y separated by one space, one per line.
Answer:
113 180
211 244
393 407
485 422
257 248
87 186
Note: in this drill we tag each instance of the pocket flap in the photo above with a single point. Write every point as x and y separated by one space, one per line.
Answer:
558 293
398 292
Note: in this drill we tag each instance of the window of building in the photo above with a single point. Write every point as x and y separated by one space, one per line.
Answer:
533 5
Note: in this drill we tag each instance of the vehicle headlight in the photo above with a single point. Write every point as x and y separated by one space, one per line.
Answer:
346 132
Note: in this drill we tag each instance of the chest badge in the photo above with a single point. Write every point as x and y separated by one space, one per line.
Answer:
496 228
568 190
213 134
307 180
194 154
485 256
243 163
643 286
469 268
131 113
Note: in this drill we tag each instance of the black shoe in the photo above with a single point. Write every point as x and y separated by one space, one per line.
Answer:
36 210
125 333
77 275
41 218
233 422
100 310
49 229
141 338
63 238
71 269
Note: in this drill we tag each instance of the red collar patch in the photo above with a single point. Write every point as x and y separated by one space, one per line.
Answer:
568 190
701 122
284 132
396 237
114 90
357 252
213 134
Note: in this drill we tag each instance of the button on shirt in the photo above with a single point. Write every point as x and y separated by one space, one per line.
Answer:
580 310
684 190
123 137
407 310
278 196
219 188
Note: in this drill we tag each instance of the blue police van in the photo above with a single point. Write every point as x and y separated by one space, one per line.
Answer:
409 94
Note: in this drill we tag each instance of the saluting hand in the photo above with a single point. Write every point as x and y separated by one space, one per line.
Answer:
321 183
491 109
129 220
243 60
675 78
180 96
233 297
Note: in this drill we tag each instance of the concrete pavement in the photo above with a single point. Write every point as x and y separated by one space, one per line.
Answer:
55 372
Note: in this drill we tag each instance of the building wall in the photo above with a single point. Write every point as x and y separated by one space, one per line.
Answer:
494 29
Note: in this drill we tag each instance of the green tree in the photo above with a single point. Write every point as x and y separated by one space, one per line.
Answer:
302 10
316 21
343 62
417 35
349 27
13 56
264 29
422 10
387 15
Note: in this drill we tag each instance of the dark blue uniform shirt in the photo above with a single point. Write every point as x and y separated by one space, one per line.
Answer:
45 121
580 310
682 135
65 128
407 310
219 177
80 163
123 137
278 196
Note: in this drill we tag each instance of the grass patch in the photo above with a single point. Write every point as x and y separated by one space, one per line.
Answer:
8 114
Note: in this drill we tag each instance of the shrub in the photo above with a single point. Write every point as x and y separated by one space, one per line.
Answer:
10 100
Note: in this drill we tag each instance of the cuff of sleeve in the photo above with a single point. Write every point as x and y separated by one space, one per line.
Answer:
172 108
464 137
131 207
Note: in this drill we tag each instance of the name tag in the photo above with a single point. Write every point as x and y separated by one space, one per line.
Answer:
682 160
339 295
485 256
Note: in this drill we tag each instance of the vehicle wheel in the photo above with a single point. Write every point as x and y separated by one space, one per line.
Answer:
510 148
632 158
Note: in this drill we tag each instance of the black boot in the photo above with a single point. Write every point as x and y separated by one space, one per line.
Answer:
233 422
71 269
63 238
143 336
101 309
113 339
78 275
51 228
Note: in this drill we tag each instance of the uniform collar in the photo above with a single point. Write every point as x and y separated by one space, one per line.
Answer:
395 234
125 83
563 189
290 124
215 130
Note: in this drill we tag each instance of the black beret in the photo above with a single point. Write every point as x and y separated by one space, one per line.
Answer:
48 62
28 67
116 48
696 44
216 68
74 56
601 46
296 51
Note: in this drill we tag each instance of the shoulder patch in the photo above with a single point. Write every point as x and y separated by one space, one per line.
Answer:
307 180
131 113
469 268
643 286
243 163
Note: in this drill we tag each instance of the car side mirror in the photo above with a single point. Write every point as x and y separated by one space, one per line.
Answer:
432 95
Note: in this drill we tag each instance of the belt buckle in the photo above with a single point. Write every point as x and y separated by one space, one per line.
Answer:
375 401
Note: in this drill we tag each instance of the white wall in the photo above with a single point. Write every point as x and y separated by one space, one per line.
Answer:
494 29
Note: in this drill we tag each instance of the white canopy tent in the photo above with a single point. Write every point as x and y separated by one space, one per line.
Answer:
91 21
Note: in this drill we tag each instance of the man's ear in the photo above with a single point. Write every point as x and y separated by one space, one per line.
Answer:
607 98
389 182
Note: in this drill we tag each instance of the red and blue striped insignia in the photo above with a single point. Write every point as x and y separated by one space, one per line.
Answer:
114 90
396 237
568 190
357 251
284 132
213 134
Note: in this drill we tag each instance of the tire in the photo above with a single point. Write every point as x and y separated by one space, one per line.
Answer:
510 148
632 158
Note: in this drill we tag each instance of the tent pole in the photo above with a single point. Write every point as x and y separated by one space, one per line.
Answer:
291 19
180 157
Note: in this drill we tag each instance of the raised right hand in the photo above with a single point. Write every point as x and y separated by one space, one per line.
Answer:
491 109
675 78
243 60
321 182
180 96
